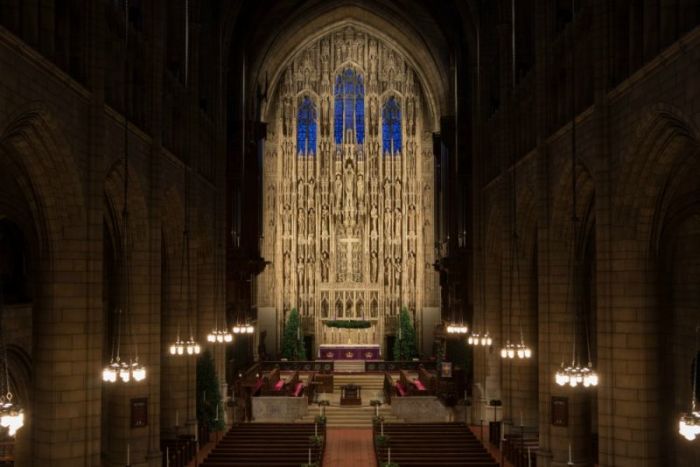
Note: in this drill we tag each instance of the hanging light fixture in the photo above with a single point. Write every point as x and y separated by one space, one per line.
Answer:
689 423
476 338
576 374
130 369
190 346
216 335
11 414
520 350
243 326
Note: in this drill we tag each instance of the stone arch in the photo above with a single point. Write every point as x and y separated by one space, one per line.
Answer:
295 39
662 136
34 151
673 258
35 145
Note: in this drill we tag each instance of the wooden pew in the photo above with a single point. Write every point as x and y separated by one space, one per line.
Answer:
433 444
266 444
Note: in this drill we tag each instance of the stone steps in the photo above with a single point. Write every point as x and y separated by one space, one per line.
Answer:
372 387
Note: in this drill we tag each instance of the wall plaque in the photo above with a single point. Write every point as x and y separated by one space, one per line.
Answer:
139 412
560 411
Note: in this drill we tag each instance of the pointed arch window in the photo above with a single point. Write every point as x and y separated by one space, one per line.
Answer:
391 127
306 127
349 106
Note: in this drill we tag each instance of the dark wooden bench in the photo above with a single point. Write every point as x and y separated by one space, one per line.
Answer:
433 444
266 444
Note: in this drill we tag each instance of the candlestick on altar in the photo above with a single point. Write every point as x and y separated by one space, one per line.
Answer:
571 462
529 459
167 456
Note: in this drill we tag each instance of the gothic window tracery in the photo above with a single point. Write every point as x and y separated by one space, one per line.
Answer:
349 106
391 127
306 127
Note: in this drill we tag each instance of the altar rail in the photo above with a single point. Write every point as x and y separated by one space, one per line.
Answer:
302 365
383 366
328 365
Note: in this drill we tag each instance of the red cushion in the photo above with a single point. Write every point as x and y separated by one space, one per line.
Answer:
258 385
400 389
279 385
298 388
419 385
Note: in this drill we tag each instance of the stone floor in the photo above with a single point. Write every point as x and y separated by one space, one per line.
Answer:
349 447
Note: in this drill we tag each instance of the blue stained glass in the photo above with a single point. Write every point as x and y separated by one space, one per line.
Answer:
306 127
349 106
391 127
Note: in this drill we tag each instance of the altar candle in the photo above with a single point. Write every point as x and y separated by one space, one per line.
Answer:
529 459
570 462
128 454
167 456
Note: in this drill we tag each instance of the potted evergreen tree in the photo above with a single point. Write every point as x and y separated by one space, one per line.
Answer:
292 341
405 343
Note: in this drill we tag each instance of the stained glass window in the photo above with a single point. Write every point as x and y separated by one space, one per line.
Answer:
306 127
349 106
391 127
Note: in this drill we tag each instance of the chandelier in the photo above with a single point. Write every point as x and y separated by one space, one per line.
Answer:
454 328
220 336
190 346
11 415
689 423
511 351
576 374
478 340
243 329
118 369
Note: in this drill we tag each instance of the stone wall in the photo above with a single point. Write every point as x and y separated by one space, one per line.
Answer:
637 152
62 156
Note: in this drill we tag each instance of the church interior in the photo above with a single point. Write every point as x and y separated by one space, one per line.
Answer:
350 232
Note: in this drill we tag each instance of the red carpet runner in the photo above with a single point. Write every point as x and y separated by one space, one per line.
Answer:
351 447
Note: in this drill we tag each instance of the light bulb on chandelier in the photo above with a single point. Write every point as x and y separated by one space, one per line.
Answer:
689 423
11 416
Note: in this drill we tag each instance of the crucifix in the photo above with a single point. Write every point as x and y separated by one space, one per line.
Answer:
349 242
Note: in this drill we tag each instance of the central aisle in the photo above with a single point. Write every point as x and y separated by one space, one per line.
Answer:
351 447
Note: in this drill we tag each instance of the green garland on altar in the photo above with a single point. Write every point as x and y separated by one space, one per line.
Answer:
348 324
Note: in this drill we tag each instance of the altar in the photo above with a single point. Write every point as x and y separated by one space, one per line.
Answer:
349 352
